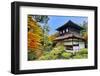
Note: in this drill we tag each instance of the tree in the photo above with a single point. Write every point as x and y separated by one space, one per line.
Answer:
41 18
52 39
44 20
33 40
85 32
53 36
34 27
35 37
85 25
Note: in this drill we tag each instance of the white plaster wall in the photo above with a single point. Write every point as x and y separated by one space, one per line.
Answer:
67 43
75 42
70 43
81 45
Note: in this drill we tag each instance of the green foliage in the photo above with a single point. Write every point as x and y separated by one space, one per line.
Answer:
57 50
31 56
45 57
77 56
59 53
54 54
48 45
43 47
48 56
83 53
66 55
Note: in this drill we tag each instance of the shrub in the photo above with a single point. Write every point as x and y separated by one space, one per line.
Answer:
66 55
57 50
53 54
83 51
77 56
45 53
31 56
48 57
45 57
85 55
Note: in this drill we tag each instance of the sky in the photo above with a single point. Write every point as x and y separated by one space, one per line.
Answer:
56 21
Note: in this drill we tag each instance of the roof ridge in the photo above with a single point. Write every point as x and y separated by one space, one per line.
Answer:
69 23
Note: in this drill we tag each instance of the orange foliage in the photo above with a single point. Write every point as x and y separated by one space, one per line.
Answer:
33 26
35 35
52 37
33 40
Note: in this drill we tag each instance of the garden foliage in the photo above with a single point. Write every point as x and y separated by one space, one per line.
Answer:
41 46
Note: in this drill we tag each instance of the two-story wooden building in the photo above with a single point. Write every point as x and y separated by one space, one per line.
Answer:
69 35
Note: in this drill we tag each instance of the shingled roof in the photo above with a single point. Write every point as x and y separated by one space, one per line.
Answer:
69 24
69 36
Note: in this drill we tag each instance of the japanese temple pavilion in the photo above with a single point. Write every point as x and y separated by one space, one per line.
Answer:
69 35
